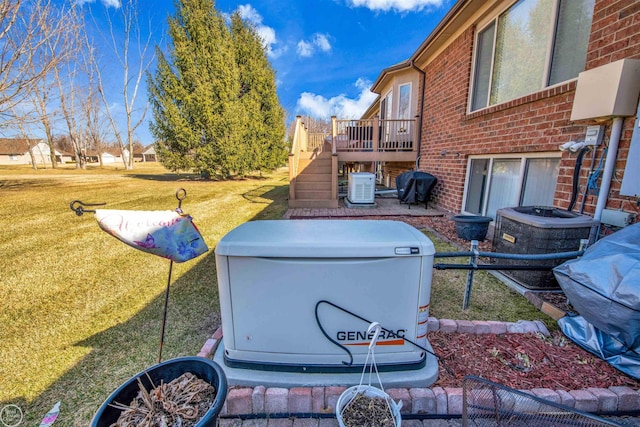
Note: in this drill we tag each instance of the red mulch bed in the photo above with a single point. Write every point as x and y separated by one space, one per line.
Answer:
522 361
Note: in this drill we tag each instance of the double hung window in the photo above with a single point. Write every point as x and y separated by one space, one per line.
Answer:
531 45
404 102
499 182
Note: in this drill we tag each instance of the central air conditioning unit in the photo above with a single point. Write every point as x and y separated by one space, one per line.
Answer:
361 187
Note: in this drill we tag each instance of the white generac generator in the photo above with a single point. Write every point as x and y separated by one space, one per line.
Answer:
361 187
297 295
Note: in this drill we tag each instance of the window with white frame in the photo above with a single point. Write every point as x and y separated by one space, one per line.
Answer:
388 104
404 101
498 182
531 45
385 105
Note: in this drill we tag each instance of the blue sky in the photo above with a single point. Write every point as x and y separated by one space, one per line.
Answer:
326 53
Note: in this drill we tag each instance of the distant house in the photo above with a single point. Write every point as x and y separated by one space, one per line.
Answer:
22 151
64 158
110 157
149 154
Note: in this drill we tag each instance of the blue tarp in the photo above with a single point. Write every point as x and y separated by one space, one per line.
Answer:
604 288
602 345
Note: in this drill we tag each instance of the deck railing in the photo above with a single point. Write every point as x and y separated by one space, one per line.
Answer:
316 141
300 138
378 135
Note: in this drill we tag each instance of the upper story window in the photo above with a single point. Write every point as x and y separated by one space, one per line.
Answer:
404 102
531 45
385 106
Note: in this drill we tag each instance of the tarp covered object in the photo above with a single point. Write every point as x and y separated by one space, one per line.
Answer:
604 288
168 234
415 186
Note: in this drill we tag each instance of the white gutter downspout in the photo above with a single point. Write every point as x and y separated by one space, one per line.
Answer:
420 107
609 166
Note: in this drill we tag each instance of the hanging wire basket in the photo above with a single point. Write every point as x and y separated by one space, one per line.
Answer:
385 410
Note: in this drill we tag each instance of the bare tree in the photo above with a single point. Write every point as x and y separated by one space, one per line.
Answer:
94 127
74 82
42 94
23 58
41 97
56 94
134 66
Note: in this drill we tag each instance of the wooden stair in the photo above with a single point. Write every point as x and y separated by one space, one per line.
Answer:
314 181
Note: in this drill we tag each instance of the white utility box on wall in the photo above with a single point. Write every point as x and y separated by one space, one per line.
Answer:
294 293
607 91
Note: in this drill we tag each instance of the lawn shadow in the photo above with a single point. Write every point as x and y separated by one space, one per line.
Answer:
177 177
128 347
167 177
19 184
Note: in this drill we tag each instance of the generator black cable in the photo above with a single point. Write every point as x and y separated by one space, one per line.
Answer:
369 322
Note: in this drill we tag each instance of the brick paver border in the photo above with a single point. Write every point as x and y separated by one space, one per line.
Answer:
420 401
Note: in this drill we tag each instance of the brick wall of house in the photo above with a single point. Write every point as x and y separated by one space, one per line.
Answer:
615 35
393 169
535 123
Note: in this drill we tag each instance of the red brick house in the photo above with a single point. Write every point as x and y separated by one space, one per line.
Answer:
497 88
495 107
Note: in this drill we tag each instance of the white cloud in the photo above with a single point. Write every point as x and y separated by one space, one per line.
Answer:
318 41
266 33
340 106
249 13
395 5
304 49
322 41
108 3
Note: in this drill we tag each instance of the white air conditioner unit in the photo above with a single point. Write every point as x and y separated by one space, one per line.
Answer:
361 187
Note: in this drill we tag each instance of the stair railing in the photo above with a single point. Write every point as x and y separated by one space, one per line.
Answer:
298 144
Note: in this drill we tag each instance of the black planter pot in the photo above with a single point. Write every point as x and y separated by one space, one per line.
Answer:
472 227
167 371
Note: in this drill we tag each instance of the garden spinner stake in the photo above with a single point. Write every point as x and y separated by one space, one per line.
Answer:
181 194
168 234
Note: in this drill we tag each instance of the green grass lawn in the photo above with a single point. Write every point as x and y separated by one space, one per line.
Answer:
80 312
490 298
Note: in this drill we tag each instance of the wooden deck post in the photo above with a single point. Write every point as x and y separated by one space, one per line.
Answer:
376 134
334 177
334 132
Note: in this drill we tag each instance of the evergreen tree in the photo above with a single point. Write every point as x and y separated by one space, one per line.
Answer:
214 98
264 134
194 95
